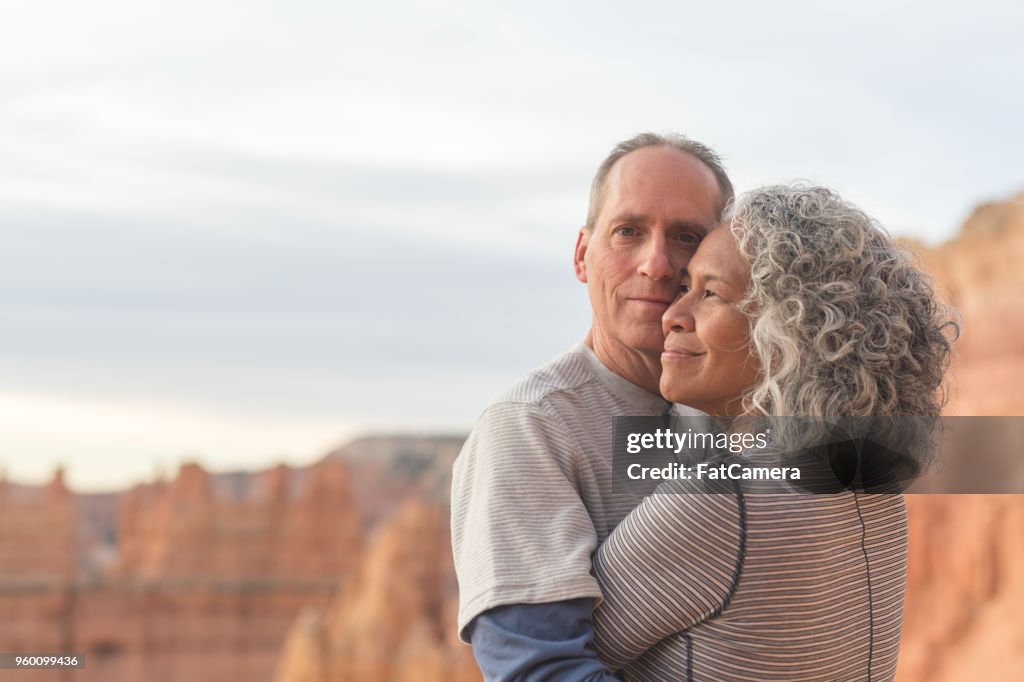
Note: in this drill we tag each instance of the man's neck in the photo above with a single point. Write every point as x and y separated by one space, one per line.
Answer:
642 369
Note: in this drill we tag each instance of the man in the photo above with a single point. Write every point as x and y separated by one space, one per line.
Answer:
532 489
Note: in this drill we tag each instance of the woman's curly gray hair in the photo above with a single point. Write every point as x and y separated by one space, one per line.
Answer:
843 322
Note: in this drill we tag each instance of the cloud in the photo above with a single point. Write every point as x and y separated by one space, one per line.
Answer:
359 212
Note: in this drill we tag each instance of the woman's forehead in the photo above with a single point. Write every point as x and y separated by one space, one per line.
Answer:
719 257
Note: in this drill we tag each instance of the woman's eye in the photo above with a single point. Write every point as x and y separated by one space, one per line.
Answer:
685 289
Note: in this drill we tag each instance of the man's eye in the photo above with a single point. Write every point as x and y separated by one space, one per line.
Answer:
690 238
626 231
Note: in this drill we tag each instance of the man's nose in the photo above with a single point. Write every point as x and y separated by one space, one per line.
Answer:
656 262
679 317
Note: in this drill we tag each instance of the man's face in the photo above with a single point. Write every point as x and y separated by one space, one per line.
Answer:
658 204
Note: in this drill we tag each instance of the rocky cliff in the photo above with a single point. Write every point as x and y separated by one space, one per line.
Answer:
966 582
981 273
395 619
210 572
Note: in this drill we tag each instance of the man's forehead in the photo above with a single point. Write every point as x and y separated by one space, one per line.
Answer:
665 171
662 158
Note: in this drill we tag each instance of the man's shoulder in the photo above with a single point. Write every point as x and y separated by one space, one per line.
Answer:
542 416
557 381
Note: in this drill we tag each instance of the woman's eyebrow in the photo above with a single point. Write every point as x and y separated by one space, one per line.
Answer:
708 276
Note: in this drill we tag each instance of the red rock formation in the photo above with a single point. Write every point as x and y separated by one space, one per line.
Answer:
189 530
322 531
37 561
393 621
965 589
212 572
37 531
981 273
966 581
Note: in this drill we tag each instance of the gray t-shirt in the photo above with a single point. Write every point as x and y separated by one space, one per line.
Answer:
532 488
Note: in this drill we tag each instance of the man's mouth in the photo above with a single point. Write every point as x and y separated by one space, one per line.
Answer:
652 300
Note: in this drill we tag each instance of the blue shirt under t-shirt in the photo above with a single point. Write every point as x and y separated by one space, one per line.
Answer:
551 642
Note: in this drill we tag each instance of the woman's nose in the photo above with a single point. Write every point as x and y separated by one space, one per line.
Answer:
678 317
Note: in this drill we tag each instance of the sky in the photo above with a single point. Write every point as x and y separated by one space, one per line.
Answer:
241 233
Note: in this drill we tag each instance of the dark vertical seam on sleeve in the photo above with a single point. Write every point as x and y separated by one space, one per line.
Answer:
741 553
741 556
867 571
689 656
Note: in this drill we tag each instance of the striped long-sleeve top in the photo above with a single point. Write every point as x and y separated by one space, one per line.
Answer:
754 586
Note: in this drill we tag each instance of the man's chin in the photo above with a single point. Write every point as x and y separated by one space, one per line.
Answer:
643 337
649 347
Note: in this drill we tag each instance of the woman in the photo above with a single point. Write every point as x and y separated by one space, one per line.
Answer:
801 306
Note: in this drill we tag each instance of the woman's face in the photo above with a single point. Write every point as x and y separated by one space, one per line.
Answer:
708 362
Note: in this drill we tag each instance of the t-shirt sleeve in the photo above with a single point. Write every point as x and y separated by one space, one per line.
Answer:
670 564
520 531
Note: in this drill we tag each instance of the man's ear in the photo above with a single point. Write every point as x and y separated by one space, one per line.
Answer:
579 264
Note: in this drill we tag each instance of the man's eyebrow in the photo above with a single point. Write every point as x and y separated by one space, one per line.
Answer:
630 218
641 219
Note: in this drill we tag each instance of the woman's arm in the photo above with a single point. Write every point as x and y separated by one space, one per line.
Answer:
672 563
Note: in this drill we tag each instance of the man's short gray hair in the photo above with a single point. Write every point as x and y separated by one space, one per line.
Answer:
703 153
